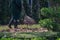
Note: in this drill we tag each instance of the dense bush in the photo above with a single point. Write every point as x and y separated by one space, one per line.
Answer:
47 23
47 12
52 20
9 39
39 38
51 12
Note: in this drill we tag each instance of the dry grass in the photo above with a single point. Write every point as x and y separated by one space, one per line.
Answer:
5 27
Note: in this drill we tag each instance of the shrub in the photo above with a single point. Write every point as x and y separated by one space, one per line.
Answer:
39 38
47 12
51 12
10 39
47 23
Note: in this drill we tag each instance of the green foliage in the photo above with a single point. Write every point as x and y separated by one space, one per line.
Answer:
47 23
58 39
47 12
56 27
58 12
39 38
9 39
50 12
54 15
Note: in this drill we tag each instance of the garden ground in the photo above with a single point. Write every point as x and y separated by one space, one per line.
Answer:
24 28
30 32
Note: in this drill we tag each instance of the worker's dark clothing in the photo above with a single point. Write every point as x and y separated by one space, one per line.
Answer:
15 8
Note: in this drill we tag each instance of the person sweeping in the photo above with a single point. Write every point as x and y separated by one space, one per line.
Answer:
15 8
